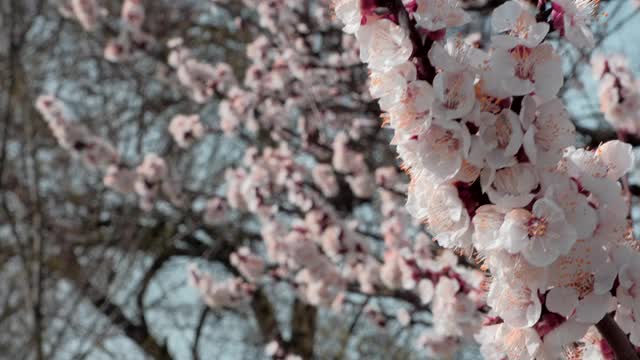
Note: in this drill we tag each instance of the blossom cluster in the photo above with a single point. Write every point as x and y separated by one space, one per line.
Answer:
201 79
494 168
227 293
130 34
148 180
306 241
328 258
74 137
186 129
619 92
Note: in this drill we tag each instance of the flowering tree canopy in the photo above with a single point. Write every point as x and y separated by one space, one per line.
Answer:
237 148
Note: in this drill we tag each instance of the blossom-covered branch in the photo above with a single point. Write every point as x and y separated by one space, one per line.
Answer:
494 168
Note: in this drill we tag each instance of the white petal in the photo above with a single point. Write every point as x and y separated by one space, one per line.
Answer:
425 290
562 300
548 78
513 232
486 223
505 16
604 278
592 308
618 156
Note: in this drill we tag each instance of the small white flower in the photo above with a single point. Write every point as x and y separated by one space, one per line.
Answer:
513 187
520 25
413 112
486 225
541 235
548 131
348 11
455 94
530 70
442 148
588 309
450 308
390 86
518 306
457 55
577 209
383 44
573 19
425 290
441 207
435 15
504 139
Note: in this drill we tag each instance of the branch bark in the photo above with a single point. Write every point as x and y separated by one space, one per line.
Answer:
265 317
303 328
617 339
70 268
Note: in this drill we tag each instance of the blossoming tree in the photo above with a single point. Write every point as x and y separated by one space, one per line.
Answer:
495 229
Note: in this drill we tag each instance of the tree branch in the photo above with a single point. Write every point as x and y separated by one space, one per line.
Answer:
265 317
157 264
303 328
72 270
617 339
198 332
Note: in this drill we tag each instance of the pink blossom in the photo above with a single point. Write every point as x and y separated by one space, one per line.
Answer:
186 129
87 13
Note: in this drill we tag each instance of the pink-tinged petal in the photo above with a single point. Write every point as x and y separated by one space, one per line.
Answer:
604 278
593 307
579 35
519 306
618 157
518 86
548 78
529 144
562 300
425 290
514 235
504 17
566 333
504 41
537 34
486 223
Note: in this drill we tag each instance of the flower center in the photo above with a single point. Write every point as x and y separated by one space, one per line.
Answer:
521 27
453 93
503 131
537 227
524 65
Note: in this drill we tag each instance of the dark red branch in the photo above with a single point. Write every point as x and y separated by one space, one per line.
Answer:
617 339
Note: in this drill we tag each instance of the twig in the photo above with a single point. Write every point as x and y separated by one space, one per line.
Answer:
198 332
617 339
